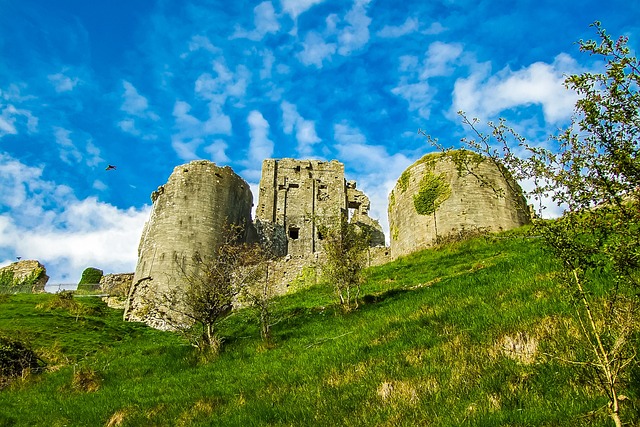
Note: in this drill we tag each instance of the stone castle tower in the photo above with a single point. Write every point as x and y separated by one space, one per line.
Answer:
446 193
188 217
298 198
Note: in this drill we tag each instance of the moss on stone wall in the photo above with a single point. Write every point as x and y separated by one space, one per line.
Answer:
90 276
465 160
395 232
9 283
433 190
403 181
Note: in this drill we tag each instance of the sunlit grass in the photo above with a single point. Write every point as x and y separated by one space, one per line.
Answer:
461 335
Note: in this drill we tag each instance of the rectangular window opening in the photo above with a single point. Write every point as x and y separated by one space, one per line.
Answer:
294 233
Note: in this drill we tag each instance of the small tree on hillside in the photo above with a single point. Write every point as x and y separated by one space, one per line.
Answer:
259 287
345 249
595 174
210 288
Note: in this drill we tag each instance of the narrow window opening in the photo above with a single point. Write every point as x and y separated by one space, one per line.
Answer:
294 233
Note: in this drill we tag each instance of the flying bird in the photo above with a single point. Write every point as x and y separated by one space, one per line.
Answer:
110 168
18 258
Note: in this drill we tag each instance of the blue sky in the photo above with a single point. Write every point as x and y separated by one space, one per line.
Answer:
147 85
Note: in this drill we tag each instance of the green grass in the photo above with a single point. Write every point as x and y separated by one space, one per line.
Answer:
426 347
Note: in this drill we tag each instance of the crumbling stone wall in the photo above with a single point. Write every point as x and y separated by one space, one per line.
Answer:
189 216
448 193
24 276
116 287
298 198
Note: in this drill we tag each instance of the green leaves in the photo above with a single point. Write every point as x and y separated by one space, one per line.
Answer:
434 190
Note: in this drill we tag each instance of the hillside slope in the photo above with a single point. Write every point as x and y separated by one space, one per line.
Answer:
462 335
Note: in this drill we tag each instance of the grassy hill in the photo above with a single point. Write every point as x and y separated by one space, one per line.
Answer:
474 333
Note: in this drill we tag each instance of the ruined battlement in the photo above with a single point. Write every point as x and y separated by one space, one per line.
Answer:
300 198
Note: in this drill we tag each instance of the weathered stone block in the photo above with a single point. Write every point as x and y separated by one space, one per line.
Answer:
24 276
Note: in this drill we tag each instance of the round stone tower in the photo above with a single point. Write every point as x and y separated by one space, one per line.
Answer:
190 214
451 193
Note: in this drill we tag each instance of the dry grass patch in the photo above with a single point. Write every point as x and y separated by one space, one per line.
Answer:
86 380
521 347
398 393
349 375
201 408
117 418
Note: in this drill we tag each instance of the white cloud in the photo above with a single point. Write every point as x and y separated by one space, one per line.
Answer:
191 131
265 21
483 95
418 95
296 7
217 151
409 26
202 43
138 113
440 59
350 34
268 59
45 221
224 85
62 82
71 154
135 104
11 117
305 129
434 29
356 34
260 146
315 50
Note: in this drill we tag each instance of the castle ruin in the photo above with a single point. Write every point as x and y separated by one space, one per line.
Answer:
440 195
445 194
297 200
300 198
187 220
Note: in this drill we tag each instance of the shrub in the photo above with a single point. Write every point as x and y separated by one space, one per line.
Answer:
16 359
90 277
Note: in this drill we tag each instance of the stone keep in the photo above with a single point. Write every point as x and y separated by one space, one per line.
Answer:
189 216
299 197
447 193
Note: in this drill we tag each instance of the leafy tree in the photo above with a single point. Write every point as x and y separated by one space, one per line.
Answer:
345 250
594 173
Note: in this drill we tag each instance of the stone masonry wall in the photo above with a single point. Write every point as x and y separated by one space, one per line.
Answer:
26 271
300 196
189 216
468 193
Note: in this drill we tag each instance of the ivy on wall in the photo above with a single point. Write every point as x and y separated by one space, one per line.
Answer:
9 284
433 190
403 181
